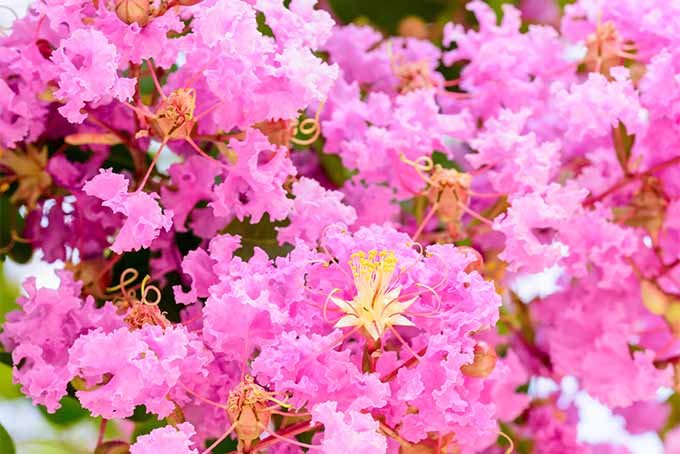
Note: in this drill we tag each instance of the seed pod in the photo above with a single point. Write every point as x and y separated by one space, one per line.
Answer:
133 11
484 362
249 408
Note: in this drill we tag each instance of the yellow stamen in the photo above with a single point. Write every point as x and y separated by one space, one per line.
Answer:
376 306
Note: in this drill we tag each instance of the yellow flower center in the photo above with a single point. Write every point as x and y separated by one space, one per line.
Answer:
376 306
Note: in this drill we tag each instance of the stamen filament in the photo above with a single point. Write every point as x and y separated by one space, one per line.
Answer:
221 439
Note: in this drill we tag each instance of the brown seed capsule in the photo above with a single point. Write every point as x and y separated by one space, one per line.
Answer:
484 362
133 11
450 189
249 409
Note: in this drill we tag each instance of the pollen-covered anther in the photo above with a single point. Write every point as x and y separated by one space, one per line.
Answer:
377 305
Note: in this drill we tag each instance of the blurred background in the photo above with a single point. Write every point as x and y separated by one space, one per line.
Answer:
26 429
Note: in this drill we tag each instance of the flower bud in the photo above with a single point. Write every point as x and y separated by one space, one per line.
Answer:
484 362
413 27
133 11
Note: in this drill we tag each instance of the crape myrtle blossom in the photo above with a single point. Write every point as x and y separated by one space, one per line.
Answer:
283 234
144 218
44 329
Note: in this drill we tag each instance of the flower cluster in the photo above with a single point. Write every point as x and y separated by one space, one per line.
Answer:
278 233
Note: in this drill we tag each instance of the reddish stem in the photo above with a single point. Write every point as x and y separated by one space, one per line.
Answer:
289 431
102 429
630 179
408 363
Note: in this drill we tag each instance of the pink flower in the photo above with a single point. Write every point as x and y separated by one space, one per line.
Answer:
42 331
193 180
518 161
88 73
641 417
314 209
348 431
140 368
589 110
373 203
168 440
586 326
672 442
144 217
531 223
253 185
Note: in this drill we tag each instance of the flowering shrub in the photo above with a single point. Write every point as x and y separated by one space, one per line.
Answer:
281 234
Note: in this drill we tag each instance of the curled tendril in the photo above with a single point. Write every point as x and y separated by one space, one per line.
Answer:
437 298
151 288
127 277
4 30
325 304
511 448
328 253
405 269
305 284
422 165
308 127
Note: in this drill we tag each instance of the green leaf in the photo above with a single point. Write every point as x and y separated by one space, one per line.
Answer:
8 295
12 222
47 447
6 443
119 159
387 14
226 446
145 427
674 418
497 6
440 158
262 25
8 390
332 166
262 235
6 358
140 414
69 413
